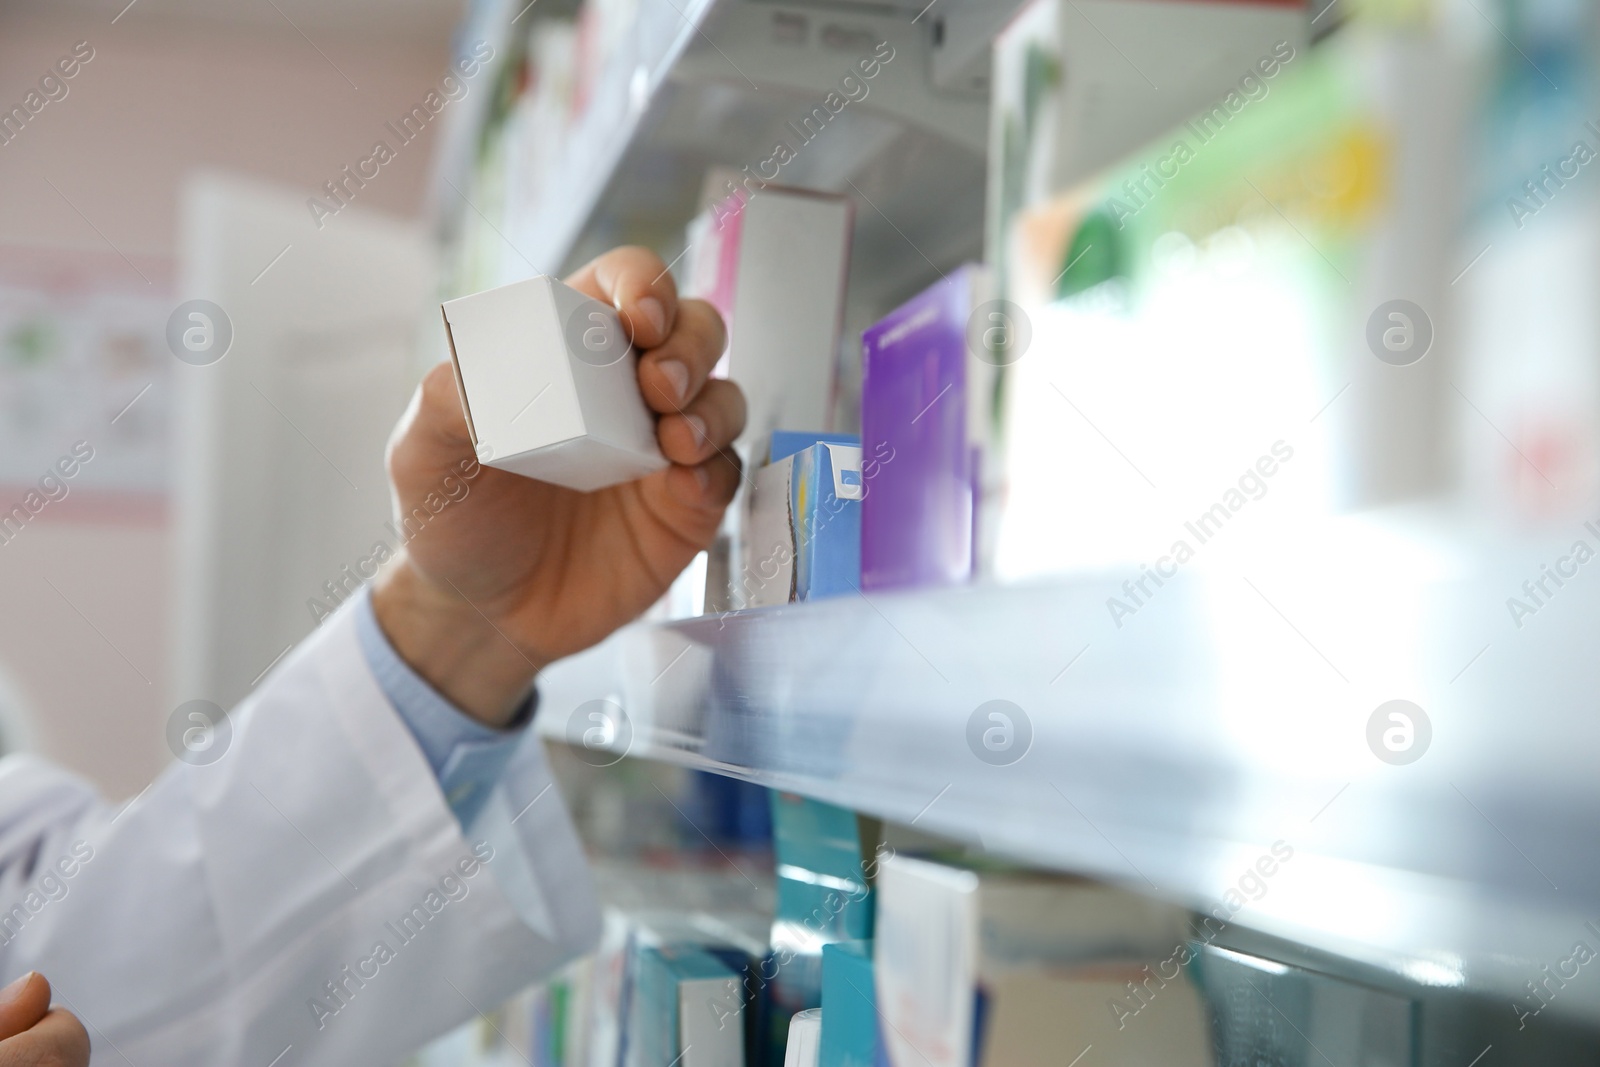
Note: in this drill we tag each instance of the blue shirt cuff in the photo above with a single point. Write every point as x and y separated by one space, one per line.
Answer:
467 757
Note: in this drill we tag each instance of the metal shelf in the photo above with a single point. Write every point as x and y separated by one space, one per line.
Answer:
1170 754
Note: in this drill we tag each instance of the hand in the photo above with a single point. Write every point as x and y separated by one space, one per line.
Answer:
518 573
31 1034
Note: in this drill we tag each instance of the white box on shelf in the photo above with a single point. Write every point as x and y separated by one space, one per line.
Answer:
944 932
549 383
805 1039
774 263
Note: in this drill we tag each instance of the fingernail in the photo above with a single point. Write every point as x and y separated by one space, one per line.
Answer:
654 314
678 375
702 476
698 425
10 993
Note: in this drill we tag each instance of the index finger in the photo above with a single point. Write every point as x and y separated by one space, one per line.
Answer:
635 282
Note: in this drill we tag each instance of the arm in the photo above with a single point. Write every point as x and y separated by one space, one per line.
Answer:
235 909
311 894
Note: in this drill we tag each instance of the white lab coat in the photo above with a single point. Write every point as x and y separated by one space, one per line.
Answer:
212 910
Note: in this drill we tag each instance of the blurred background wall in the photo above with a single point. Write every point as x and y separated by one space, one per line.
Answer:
284 90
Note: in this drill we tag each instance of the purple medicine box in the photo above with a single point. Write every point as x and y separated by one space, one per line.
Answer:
916 514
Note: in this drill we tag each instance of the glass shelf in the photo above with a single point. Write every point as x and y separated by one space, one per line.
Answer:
1172 753
704 84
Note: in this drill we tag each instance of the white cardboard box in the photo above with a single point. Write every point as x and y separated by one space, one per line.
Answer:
805 1039
549 383
774 263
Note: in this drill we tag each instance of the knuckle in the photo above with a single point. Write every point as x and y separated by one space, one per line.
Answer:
731 399
707 323
391 456
439 384
644 257
665 283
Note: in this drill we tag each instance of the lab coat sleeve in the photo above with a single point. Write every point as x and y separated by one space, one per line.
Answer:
307 898
467 757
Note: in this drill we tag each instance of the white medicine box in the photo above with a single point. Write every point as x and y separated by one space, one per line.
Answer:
549 383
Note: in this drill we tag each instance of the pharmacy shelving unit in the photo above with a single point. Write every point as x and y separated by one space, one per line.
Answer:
1170 752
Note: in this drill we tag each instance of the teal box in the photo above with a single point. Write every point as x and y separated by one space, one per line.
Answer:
849 1006
685 997
823 896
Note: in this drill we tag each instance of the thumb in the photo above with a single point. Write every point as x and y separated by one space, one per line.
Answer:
23 1003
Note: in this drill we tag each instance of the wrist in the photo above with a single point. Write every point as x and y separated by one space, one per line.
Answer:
451 643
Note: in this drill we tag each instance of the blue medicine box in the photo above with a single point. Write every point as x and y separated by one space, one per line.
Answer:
803 537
